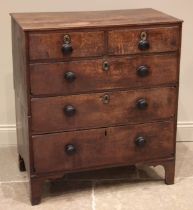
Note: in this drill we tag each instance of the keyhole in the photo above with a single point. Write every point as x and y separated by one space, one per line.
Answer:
106 99
105 132
67 39
143 35
106 66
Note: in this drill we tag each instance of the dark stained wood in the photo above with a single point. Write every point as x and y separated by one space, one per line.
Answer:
176 108
49 45
48 113
90 19
48 79
21 163
106 120
36 187
113 145
21 91
126 41
168 165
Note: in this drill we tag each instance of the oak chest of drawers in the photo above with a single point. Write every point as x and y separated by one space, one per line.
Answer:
95 90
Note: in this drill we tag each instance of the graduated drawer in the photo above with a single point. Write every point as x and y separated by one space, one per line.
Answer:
81 76
131 41
51 45
102 109
102 147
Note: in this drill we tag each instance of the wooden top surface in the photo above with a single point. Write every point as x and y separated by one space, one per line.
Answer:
91 19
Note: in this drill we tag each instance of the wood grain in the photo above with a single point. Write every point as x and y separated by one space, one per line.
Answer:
90 19
49 45
100 147
126 41
103 133
48 79
48 113
21 89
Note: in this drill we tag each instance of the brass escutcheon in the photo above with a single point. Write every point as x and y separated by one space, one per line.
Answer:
106 99
67 39
106 66
143 35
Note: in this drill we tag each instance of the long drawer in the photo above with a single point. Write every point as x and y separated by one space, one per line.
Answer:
101 147
92 75
102 109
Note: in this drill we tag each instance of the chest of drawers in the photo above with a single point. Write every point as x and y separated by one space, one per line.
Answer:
95 90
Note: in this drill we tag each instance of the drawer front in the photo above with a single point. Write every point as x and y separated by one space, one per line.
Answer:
102 147
102 109
129 41
82 76
65 45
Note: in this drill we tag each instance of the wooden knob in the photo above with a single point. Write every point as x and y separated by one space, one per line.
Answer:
140 141
70 76
67 49
143 71
69 110
70 149
143 45
142 104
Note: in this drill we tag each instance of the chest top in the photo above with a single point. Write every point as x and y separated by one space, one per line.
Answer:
91 19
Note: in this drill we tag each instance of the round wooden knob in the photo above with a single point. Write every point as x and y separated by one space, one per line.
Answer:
70 149
70 76
69 110
142 104
143 45
140 141
143 71
67 48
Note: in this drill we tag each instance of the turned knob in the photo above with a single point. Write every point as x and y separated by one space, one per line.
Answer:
140 141
143 71
143 45
70 76
70 149
142 104
69 110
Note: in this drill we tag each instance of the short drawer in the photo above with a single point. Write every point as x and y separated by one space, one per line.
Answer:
102 109
63 45
131 41
102 147
103 74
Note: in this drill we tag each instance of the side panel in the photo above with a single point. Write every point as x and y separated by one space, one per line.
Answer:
19 54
